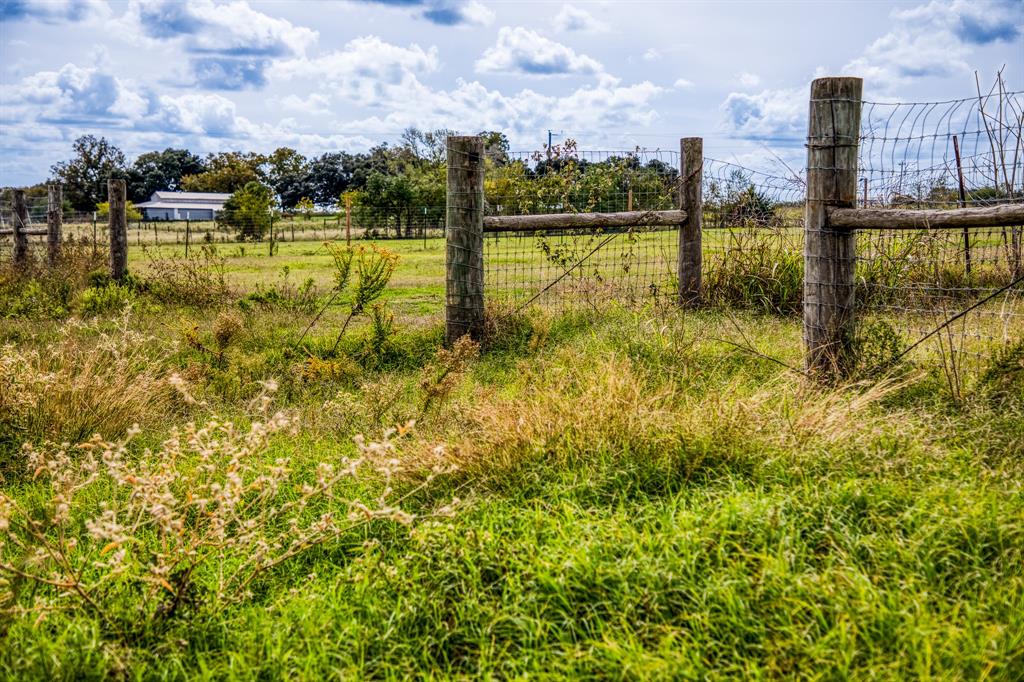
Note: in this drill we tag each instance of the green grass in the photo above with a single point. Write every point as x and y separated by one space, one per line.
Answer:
639 501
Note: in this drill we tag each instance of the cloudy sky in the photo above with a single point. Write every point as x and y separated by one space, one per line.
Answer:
329 75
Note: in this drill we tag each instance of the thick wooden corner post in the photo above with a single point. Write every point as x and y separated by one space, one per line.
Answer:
116 198
19 228
830 256
464 253
691 167
54 222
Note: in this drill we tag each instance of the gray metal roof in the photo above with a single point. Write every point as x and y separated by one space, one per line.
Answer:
180 204
212 197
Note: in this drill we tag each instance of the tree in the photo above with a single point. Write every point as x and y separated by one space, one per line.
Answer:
429 146
389 195
226 172
287 173
305 206
248 211
161 171
131 213
85 176
327 176
495 146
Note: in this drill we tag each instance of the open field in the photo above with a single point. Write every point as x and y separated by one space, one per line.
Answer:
617 493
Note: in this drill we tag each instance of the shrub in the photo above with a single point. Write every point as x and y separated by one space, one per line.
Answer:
248 211
195 280
109 298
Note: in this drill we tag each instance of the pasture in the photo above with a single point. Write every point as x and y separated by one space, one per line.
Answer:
628 492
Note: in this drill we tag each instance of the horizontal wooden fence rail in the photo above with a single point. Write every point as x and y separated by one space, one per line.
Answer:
907 219
31 232
556 221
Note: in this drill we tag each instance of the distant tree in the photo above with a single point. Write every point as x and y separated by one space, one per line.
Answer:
327 176
247 211
429 146
131 213
305 206
161 171
287 173
85 176
226 172
389 196
495 146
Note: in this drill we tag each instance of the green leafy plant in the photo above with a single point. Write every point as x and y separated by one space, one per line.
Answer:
362 274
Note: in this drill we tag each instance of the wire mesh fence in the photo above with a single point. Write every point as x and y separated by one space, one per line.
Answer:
952 295
752 238
572 268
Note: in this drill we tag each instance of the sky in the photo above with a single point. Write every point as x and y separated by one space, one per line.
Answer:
323 76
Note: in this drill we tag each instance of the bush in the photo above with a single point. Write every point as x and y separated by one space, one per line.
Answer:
106 299
247 211
196 280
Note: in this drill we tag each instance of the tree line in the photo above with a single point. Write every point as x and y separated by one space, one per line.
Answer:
398 187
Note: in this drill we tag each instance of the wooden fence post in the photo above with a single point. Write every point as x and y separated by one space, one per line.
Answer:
464 254
830 256
118 229
18 226
54 222
691 200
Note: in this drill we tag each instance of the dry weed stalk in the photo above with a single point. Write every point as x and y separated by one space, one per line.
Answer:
190 525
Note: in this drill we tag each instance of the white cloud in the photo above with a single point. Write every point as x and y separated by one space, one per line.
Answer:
477 14
775 115
651 55
571 18
315 104
934 40
229 45
682 84
522 51
55 11
365 69
748 80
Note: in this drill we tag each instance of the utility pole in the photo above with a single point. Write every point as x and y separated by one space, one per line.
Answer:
549 145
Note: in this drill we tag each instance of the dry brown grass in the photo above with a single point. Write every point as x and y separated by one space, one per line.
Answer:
573 407
86 382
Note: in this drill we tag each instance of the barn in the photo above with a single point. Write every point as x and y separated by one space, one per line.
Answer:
183 205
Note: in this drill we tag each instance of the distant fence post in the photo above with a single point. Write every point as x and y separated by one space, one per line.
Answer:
464 253
18 227
118 229
691 168
54 222
830 254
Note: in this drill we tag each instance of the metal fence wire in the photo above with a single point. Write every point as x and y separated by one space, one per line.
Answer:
566 269
951 294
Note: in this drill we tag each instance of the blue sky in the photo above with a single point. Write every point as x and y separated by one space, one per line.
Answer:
323 76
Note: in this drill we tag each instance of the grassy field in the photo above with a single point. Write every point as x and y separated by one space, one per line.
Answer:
614 493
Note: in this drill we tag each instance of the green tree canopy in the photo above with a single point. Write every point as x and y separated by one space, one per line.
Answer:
247 211
161 171
226 172
85 175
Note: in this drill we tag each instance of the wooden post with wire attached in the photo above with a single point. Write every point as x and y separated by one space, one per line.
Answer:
830 256
19 229
464 253
116 197
54 222
691 200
